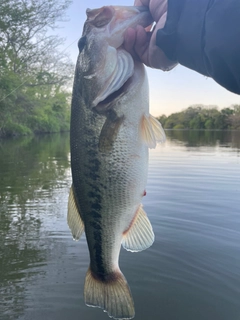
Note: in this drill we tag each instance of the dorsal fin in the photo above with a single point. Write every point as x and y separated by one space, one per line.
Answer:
151 131
139 235
74 219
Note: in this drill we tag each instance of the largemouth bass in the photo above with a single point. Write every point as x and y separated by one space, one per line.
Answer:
111 131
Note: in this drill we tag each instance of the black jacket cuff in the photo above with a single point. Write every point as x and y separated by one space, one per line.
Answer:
204 35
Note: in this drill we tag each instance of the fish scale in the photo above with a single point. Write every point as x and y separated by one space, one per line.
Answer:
111 131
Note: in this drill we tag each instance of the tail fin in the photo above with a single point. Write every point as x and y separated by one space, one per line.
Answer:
112 295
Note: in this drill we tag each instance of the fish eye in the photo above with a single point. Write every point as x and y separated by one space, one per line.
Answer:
81 43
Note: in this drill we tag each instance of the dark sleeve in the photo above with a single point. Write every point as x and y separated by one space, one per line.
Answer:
204 35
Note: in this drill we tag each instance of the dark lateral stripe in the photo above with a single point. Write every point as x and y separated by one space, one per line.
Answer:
95 214
95 225
93 195
97 233
98 249
93 175
96 206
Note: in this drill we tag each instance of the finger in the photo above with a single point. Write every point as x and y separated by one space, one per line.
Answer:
158 8
149 28
141 3
157 58
129 42
129 39
161 22
142 44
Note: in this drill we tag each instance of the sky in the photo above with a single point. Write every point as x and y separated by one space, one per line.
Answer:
170 91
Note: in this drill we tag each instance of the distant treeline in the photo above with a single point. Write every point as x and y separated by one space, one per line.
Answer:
34 72
203 118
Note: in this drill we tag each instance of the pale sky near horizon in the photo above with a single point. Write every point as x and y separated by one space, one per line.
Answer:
169 91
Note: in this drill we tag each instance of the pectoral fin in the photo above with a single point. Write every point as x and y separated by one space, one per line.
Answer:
74 219
139 235
151 131
109 132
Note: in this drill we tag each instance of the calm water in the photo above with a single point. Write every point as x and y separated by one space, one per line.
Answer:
192 272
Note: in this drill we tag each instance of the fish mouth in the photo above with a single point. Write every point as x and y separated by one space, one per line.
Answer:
116 19
125 17
121 69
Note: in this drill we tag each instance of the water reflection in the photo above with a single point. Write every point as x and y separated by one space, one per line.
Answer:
31 170
192 270
197 138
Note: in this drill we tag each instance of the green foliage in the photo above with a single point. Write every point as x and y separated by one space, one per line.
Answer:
162 119
179 127
203 118
34 75
16 129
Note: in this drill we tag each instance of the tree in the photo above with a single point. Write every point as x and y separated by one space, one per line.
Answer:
203 117
162 119
234 118
24 31
33 72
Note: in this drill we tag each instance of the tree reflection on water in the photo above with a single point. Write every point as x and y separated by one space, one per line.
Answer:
31 169
198 138
35 177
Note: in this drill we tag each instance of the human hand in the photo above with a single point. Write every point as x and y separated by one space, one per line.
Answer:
141 43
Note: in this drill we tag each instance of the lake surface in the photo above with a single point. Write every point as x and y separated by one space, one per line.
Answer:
192 272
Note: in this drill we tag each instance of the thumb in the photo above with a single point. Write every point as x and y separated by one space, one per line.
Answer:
157 58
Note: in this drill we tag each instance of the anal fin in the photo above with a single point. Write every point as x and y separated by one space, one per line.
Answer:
74 219
139 235
151 131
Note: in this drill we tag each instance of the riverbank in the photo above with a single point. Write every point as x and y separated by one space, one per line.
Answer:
199 117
